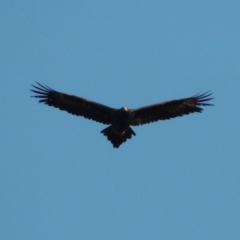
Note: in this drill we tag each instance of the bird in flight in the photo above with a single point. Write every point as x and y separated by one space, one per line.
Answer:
120 120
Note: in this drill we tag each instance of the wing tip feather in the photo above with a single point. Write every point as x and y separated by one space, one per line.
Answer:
203 98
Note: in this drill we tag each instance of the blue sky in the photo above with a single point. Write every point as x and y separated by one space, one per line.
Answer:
61 179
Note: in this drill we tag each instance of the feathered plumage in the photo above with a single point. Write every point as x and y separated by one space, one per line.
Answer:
121 119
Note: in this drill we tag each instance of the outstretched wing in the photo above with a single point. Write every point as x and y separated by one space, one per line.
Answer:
170 109
72 104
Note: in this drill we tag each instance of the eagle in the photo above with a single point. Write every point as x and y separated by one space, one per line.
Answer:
120 120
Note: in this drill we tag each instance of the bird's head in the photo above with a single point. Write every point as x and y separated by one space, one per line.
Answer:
125 109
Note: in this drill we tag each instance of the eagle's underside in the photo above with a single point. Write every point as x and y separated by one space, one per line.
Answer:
120 120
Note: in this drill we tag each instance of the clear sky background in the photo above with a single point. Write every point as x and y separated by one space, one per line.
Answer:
59 176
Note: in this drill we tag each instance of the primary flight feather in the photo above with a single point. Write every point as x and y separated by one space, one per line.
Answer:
120 120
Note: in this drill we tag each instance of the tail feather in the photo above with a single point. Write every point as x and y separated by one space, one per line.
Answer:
115 138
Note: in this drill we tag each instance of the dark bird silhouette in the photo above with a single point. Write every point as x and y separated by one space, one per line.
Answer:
120 120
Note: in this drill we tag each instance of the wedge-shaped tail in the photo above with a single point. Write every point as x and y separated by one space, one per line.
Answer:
115 138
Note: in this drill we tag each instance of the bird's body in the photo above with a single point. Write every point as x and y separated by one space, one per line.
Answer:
120 120
119 131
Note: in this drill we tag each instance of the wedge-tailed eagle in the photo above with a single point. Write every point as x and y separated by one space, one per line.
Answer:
120 120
